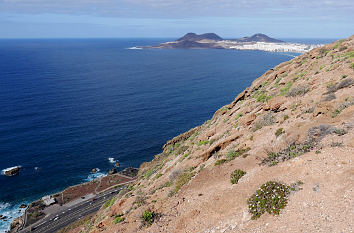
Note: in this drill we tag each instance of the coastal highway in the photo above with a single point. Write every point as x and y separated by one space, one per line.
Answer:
68 215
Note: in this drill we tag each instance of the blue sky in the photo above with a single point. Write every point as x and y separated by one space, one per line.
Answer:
173 18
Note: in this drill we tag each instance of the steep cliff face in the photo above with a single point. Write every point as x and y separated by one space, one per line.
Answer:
294 127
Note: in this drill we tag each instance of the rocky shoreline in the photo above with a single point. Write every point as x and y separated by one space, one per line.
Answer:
38 209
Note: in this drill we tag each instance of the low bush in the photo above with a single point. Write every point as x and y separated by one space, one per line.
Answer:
236 175
347 103
294 150
347 82
203 142
232 154
148 217
181 180
118 218
285 90
279 132
109 203
220 161
271 197
265 120
298 91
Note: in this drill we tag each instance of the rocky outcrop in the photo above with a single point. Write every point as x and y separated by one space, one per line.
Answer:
112 171
13 171
130 171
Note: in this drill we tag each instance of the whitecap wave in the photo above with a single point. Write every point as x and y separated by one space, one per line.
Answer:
11 212
93 176
8 169
134 48
112 160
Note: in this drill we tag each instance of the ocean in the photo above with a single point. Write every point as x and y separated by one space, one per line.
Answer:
70 105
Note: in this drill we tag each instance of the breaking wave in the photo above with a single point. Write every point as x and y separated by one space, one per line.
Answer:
112 160
10 212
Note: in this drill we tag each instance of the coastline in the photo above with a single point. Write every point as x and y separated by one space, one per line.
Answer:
70 196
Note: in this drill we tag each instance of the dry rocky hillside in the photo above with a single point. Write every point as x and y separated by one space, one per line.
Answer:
279 158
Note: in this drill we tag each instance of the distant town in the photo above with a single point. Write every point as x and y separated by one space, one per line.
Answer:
212 41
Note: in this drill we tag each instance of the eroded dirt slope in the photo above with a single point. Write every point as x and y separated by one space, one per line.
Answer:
294 126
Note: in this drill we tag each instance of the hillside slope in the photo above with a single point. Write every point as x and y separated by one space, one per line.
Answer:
293 126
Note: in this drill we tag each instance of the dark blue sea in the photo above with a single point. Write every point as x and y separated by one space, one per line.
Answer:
70 105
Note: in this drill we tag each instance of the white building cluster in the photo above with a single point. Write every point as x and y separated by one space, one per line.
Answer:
273 47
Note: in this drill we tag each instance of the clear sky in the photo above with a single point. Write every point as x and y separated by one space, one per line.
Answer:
173 18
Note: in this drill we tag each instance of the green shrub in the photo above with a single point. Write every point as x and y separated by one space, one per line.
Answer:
263 98
285 90
294 150
271 197
232 154
182 179
109 203
349 55
220 161
118 218
203 142
279 132
148 217
236 175
347 103
238 116
299 76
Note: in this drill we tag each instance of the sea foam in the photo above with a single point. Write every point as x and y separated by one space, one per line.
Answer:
11 212
95 175
112 160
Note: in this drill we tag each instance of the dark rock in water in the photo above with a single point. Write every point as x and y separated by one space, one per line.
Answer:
117 164
94 170
23 206
12 171
112 171
130 171
2 217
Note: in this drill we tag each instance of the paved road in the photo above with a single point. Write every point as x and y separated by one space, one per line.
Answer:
56 221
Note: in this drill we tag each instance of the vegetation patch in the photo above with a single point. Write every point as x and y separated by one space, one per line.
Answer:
299 76
203 142
236 175
220 161
182 179
294 150
265 120
347 82
279 132
109 203
263 98
148 217
349 55
118 218
238 115
271 197
285 90
232 154
347 103
298 91
317 133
